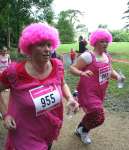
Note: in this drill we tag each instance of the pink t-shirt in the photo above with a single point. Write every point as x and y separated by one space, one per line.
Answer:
36 106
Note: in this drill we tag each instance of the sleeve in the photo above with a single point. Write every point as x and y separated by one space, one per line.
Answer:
4 78
86 56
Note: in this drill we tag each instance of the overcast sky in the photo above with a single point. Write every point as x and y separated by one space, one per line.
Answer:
97 12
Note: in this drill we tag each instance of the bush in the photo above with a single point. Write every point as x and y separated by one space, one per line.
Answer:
120 35
15 55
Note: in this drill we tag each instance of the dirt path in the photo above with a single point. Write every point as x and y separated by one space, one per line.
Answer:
121 60
112 135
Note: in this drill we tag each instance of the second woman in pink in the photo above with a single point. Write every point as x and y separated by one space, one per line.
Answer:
95 70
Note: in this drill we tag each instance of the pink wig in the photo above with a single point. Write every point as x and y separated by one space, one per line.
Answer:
100 34
36 33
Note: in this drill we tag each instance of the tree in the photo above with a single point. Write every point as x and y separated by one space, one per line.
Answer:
67 24
102 26
126 16
15 14
73 15
120 35
65 28
81 27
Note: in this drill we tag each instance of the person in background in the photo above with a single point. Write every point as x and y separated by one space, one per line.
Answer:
5 59
82 45
95 70
53 54
34 115
72 55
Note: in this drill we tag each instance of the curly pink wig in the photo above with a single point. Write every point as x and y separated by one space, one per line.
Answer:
100 34
36 33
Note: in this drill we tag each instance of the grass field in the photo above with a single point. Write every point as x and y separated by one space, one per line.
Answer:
116 47
117 99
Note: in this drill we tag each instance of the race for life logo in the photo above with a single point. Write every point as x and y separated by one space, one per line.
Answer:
104 74
45 97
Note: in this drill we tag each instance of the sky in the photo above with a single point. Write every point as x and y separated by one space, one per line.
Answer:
96 12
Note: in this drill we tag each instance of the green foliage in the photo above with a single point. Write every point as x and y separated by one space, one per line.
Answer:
15 56
126 13
102 26
15 14
66 31
120 35
73 15
66 25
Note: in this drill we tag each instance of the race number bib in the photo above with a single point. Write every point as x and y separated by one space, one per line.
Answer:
104 74
45 97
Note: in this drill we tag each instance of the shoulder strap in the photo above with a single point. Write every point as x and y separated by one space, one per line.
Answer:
109 57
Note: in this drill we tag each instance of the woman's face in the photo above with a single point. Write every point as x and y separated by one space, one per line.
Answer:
41 51
101 45
3 52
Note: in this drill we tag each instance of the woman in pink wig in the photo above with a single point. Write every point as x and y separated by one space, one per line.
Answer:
95 70
35 110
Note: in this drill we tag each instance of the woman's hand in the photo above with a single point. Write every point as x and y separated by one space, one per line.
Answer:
72 105
87 73
9 122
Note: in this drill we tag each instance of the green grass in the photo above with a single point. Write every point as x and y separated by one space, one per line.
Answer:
65 48
117 48
117 99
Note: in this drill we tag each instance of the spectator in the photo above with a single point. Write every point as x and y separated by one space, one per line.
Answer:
72 55
82 45
4 58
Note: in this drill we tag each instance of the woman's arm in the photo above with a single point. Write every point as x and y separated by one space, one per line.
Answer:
3 105
9 121
69 97
114 74
66 91
76 69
